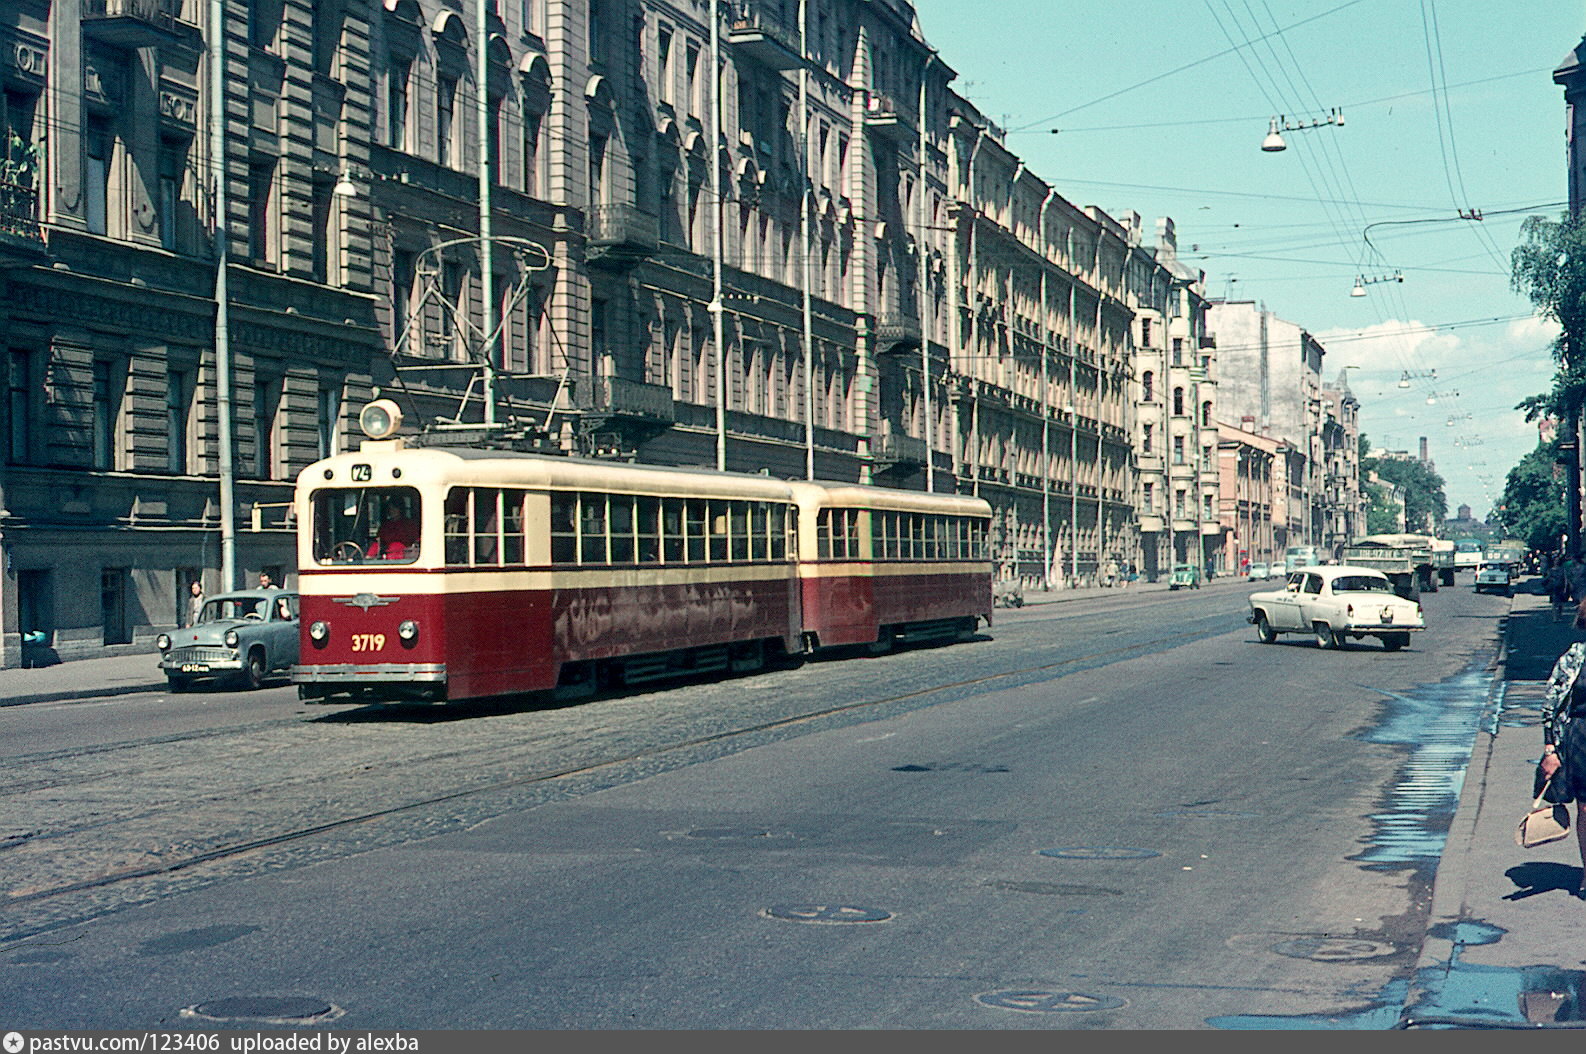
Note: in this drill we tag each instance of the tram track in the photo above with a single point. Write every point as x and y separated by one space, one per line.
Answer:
174 864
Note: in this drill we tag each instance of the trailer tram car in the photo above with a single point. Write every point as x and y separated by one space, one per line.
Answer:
449 573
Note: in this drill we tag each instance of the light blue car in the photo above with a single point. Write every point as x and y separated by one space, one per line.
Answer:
1495 578
241 637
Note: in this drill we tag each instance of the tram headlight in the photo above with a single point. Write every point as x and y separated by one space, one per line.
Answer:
380 419
408 632
231 638
163 642
319 632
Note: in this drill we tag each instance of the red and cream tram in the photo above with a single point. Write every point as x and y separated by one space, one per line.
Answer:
453 573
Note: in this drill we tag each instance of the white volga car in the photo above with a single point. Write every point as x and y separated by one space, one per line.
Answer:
1334 603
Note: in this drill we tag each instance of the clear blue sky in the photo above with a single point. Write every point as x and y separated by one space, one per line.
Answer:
1448 106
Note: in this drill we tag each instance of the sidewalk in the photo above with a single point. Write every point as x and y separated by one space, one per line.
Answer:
82 679
1506 937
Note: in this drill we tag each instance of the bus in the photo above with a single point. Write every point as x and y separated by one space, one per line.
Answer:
1296 556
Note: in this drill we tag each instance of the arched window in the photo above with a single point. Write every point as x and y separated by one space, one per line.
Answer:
1145 438
1148 386
1206 413
1178 402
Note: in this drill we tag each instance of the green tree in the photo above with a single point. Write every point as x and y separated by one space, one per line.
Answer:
1549 268
1425 505
1533 499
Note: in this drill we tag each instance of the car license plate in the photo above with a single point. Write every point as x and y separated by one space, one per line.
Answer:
195 667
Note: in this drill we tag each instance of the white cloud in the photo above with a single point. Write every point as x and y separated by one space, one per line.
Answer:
1473 376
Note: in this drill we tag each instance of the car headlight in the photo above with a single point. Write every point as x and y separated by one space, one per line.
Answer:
163 642
318 632
231 638
408 631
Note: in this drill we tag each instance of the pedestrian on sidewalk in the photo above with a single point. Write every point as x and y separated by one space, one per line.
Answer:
1564 741
195 601
1558 590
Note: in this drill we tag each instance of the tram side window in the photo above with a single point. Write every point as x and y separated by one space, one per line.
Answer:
487 525
457 526
759 530
512 526
564 528
672 535
781 524
694 519
738 529
621 520
718 531
648 511
591 528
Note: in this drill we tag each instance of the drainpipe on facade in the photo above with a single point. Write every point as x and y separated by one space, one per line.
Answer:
807 337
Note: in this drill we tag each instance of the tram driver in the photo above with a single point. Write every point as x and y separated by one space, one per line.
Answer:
398 535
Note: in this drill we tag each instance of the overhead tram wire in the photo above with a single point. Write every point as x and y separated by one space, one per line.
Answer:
1173 72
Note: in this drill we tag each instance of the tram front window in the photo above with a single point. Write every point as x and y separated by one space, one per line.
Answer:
357 525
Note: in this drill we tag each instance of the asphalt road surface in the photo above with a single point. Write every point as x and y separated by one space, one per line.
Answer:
1121 812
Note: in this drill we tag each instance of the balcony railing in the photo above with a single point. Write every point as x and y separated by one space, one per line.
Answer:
899 451
896 331
131 23
887 118
21 238
755 38
618 397
621 235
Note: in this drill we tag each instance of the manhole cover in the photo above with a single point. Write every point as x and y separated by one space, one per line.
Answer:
1099 852
289 1009
1041 1001
828 913
1334 949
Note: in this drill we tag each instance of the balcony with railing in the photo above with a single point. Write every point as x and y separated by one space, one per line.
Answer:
132 23
756 37
21 238
896 451
897 331
885 117
621 236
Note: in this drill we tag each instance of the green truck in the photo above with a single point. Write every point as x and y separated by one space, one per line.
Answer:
1414 563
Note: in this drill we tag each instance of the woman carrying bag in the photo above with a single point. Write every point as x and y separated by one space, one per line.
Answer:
1564 742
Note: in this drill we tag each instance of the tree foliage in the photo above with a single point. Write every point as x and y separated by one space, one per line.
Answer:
1549 268
1533 499
1424 502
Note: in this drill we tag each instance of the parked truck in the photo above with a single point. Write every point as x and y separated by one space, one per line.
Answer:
1443 556
1412 562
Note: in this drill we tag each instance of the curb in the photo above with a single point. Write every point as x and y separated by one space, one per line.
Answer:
70 694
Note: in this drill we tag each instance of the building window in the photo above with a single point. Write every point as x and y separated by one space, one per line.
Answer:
599 346
327 417
1178 402
261 212
178 395
328 19
531 153
597 31
493 142
173 170
264 23
106 409
19 407
266 400
530 13
1178 351
396 108
1206 413
98 144
1146 435
325 236
445 110
597 170
401 294
1148 386
1148 498
691 71
663 63
1178 450
1145 333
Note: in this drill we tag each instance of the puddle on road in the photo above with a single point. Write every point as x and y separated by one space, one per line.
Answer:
1438 724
